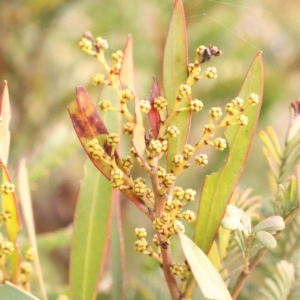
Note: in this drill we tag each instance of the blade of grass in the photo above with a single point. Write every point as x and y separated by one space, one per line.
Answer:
26 205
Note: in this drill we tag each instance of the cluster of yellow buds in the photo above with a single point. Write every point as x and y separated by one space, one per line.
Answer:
26 268
7 188
142 246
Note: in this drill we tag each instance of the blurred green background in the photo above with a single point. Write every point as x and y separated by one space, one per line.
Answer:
40 59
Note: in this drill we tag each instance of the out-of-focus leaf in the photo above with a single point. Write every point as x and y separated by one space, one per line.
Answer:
117 245
218 187
9 291
270 161
207 277
4 127
26 205
270 146
127 79
13 227
88 125
174 74
274 138
291 196
91 232
153 114
214 256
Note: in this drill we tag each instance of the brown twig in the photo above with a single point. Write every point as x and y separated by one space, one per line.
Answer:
160 202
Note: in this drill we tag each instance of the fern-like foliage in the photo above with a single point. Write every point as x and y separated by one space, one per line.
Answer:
281 285
282 162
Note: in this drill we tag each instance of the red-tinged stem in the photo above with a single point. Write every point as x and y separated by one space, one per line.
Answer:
243 277
160 202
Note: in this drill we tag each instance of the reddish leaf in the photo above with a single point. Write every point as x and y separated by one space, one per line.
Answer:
88 125
153 114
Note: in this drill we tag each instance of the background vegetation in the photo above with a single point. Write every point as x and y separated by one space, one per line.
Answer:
40 59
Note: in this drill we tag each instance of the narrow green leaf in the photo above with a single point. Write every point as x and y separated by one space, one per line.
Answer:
207 277
117 245
5 114
291 197
13 227
26 205
91 232
174 74
218 187
270 146
9 291
214 256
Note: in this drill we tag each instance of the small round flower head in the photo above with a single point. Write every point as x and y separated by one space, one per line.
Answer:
192 68
7 188
161 174
112 139
7 248
117 57
127 162
104 105
201 160
149 194
177 269
242 120
92 145
209 129
188 151
237 102
155 147
145 106
168 206
140 186
127 95
196 105
140 246
30 254
253 99
178 192
165 217
101 43
211 73
116 178
85 44
173 131
25 268
176 205
155 240
215 112
164 145
158 225
133 152
184 90
98 79
200 50
188 216
140 233
169 179
98 153
177 160
178 226
5 216
230 109
189 195
220 144
128 128
160 103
